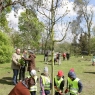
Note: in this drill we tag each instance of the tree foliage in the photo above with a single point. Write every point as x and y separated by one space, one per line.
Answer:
5 48
83 42
85 15
62 47
30 29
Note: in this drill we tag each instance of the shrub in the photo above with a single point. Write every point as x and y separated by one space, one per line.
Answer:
5 48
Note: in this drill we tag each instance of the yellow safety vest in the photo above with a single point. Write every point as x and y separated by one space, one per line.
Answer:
74 86
58 82
34 88
69 81
46 82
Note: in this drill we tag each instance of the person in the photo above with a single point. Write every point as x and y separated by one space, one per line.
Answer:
22 88
46 57
45 82
75 85
33 89
59 58
69 80
64 56
31 61
59 83
93 61
55 58
23 66
67 56
15 65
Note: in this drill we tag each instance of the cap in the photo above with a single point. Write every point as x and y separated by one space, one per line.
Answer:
72 75
46 69
72 70
60 73
33 72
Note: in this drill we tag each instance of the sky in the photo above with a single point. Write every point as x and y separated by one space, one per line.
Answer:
14 20
92 2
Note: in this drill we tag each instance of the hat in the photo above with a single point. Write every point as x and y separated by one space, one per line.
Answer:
60 73
33 72
72 75
46 69
30 51
72 70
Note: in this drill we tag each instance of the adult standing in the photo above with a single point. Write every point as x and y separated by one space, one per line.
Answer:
31 61
23 66
67 56
15 65
64 56
59 83
22 88
59 58
45 82
75 85
46 57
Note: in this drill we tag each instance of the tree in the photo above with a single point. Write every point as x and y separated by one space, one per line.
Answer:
3 21
30 29
62 47
92 44
83 42
16 39
6 48
76 30
49 10
81 7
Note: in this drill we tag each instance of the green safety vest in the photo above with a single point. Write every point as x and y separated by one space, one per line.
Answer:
58 82
34 87
46 82
74 86
69 81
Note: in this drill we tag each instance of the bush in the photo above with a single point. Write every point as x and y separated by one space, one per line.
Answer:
5 48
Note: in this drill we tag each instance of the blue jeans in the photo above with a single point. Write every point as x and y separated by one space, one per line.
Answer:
15 74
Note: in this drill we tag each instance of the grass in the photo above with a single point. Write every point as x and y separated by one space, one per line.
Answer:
83 68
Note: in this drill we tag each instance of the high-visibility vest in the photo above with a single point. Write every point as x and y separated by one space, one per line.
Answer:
74 86
69 81
58 82
34 88
46 82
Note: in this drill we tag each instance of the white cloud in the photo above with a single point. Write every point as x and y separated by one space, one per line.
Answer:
12 17
14 20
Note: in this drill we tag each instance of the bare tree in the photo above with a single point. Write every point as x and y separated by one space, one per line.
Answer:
86 13
52 16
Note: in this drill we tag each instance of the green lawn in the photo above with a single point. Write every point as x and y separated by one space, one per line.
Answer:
83 68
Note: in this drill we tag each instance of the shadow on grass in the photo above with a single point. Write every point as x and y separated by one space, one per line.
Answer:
6 80
90 72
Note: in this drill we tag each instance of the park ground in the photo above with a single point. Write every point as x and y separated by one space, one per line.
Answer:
83 68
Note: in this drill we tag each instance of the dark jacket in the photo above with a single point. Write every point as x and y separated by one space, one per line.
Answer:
31 62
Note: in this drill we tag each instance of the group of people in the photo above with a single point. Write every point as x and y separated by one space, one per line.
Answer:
66 56
19 63
28 85
73 87
57 57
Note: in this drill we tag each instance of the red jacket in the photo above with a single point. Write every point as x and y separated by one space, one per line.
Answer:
20 89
